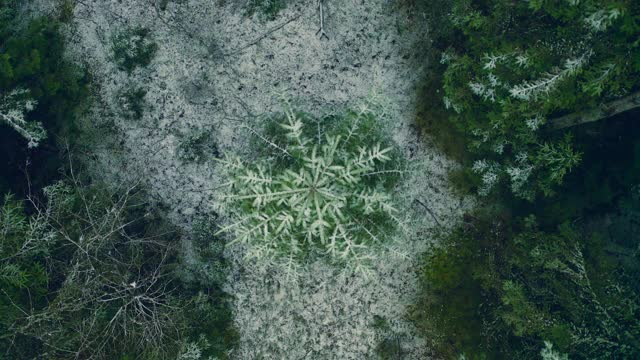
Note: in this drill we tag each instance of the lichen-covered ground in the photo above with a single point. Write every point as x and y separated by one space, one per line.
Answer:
217 69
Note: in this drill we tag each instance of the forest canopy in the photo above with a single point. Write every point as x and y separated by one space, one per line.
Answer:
88 270
515 67
547 265
40 91
154 205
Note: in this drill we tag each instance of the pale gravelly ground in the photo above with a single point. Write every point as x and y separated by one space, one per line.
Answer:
216 69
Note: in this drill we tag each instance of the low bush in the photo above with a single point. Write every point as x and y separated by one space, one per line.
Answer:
267 9
133 48
509 69
92 274
197 147
132 103
499 288
41 94
317 187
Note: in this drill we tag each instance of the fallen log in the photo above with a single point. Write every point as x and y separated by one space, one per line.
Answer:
596 114
321 31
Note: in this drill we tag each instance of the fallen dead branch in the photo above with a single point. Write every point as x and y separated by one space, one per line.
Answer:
321 30
261 37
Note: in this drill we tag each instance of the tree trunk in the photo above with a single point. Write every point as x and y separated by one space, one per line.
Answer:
601 112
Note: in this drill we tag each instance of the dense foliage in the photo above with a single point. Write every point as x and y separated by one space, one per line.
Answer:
498 288
39 92
32 59
92 274
319 187
267 9
512 67
529 276
132 103
133 48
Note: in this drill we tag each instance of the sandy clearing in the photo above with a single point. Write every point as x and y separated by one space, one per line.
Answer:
216 69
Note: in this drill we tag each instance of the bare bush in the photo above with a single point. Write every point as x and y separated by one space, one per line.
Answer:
113 261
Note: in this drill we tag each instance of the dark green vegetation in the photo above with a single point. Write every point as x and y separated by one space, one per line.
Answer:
390 347
316 187
267 9
133 48
197 147
89 270
132 103
31 58
523 268
508 69
95 273
502 283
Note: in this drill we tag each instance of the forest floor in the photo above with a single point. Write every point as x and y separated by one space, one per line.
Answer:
217 69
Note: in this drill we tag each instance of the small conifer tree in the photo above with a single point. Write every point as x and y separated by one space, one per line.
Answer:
320 187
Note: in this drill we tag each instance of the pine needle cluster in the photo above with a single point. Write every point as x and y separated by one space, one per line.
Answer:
13 108
320 187
520 68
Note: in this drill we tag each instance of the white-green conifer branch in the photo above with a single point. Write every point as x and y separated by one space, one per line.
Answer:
13 108
327 200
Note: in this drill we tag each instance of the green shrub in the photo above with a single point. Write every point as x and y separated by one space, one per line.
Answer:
66 10
32 63
317 187
206 265
503 85
33 59
197 147
133 48
203 272
132 103
92 274
390 347
499 289
448 311
268 9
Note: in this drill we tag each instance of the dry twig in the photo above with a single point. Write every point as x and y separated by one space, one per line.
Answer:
321 30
